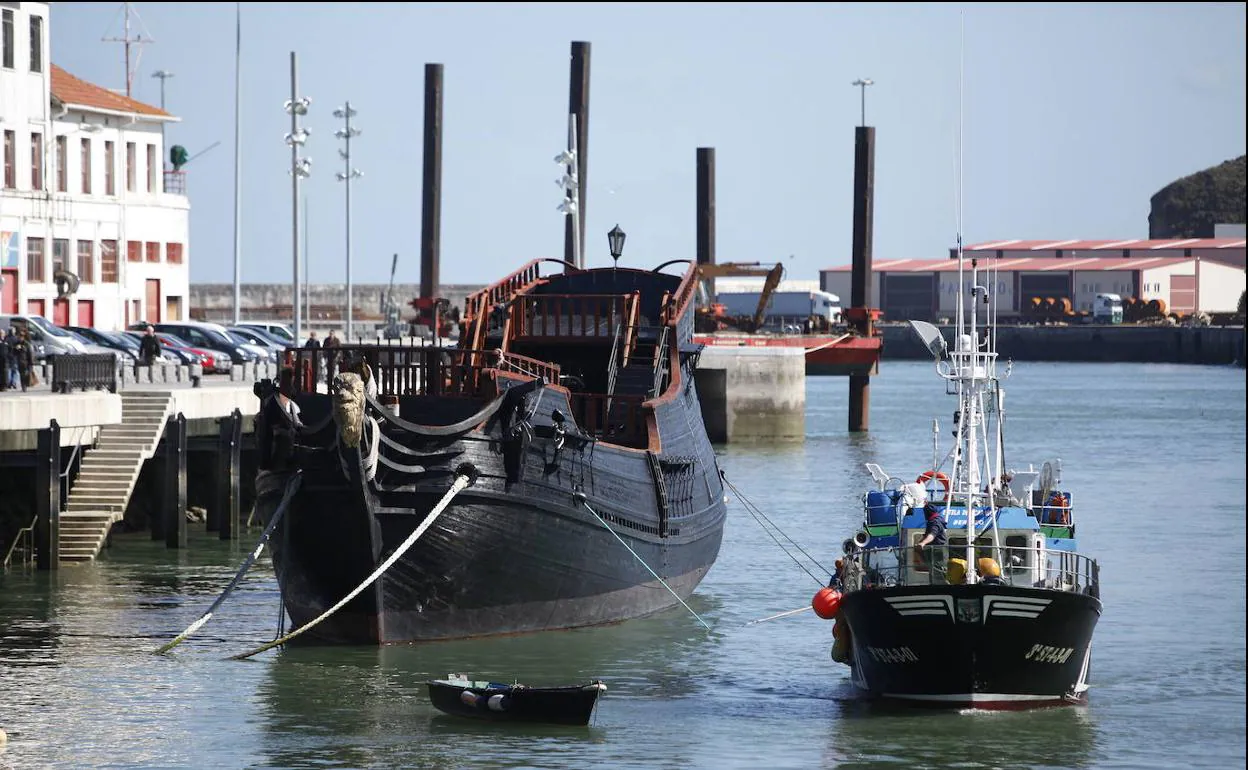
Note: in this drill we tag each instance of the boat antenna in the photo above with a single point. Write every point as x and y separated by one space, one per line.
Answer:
127 41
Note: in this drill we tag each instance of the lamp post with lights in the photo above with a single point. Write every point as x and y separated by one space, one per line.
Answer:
862 85
300 168
345 134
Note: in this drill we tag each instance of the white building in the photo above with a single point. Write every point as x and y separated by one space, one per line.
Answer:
85 197
925 289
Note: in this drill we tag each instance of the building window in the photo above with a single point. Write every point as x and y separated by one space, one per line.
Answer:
60 253
10 160
86 261
151 168
153 251
173 253
86 166
6 40
36 44
134 251
108 261
34 260
110 169
130 169
36 161
62 172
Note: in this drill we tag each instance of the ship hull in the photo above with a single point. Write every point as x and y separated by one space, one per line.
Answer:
524 549
977 646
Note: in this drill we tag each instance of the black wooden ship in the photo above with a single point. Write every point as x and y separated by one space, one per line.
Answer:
568 406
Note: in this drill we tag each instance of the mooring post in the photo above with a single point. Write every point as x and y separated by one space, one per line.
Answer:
174 508
706 212
860 315
578 105
48 497
229 453
431 204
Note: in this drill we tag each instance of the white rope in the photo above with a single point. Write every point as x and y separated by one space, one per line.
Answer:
291 486
374 444
462 480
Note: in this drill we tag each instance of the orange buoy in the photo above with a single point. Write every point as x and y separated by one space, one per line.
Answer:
826 603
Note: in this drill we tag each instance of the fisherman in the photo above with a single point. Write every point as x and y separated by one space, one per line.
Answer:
934 534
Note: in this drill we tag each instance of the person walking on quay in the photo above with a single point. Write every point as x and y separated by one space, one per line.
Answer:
10 373
332 343
149 349
25 355
4 362
314 345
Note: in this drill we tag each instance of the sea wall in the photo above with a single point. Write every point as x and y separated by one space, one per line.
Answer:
752 394
1138 344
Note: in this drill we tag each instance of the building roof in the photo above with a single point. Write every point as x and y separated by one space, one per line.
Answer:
75 92
1024 264
1130 243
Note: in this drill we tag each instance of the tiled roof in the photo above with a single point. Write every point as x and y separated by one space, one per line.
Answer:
1023 264
68 89
1131 243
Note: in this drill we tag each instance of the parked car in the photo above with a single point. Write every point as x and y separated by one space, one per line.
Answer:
212 361
48 340
119 356
258 337
263 351
278 331
203 335
125 341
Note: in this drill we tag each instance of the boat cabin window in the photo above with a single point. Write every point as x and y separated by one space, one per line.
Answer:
1018 553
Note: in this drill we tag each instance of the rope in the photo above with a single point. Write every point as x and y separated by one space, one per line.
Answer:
779 615
753 511
374 444
643 563
291 487
463 478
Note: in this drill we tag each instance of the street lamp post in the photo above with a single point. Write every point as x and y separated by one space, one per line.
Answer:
346 133
300 168
862 84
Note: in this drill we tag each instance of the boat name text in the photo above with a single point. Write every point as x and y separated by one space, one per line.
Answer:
893 654
1043 653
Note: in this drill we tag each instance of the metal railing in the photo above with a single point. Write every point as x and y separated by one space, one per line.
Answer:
1020 567
23 542
84 371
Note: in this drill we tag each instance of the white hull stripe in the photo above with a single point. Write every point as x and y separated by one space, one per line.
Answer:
922 605
1014 606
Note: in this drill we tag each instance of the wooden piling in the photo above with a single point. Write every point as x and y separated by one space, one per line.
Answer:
578 105
706 212
859 314
48 497
225 511
173 511
431 207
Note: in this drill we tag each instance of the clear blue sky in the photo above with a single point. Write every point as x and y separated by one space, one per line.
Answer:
1075 114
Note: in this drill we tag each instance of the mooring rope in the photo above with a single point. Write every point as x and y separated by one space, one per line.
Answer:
643 562
465 476
291 487
779 615
756 513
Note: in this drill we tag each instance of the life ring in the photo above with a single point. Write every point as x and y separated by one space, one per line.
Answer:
927 476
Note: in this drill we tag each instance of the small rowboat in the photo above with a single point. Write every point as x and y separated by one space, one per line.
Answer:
569 705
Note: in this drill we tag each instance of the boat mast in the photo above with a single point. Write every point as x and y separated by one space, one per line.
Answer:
966 466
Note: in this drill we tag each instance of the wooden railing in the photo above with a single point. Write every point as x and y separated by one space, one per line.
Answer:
617 419
412 370
568 315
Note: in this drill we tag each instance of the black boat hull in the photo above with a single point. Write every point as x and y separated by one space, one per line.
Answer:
517 552
974 646
548 705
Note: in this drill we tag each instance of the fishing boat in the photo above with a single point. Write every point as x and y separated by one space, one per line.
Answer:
497 702
1002 615
549 471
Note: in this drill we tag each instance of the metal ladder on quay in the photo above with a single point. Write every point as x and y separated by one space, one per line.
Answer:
109 472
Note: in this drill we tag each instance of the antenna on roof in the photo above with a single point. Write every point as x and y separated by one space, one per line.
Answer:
126 40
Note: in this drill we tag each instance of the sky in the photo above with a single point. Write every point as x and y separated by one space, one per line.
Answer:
1073 115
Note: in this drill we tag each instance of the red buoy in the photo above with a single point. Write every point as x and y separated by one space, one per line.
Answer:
826 603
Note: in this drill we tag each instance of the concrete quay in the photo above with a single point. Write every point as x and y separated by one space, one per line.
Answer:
752 394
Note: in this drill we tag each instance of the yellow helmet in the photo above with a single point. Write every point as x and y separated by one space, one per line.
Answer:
988 567
955 573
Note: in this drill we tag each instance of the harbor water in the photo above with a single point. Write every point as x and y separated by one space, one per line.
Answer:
1154 456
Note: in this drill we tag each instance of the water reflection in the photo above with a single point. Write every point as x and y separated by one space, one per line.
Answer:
874 734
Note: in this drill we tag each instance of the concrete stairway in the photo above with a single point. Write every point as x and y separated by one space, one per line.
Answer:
109 472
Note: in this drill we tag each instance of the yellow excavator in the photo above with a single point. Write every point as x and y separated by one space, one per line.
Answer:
710 315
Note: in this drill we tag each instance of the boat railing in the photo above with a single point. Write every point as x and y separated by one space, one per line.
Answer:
660 361
1044 568
568 316
618 419
415 370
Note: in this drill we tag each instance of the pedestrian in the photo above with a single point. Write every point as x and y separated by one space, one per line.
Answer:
4 361
11 373
331 346
314 345
149 350
25 355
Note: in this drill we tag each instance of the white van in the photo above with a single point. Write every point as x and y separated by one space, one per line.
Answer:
43 334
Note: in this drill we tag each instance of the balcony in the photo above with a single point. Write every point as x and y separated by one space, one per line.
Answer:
175 182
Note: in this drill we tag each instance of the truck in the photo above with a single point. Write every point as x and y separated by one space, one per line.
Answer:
786 308
1107 309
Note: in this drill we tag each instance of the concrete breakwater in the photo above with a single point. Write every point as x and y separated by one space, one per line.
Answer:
1133 344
